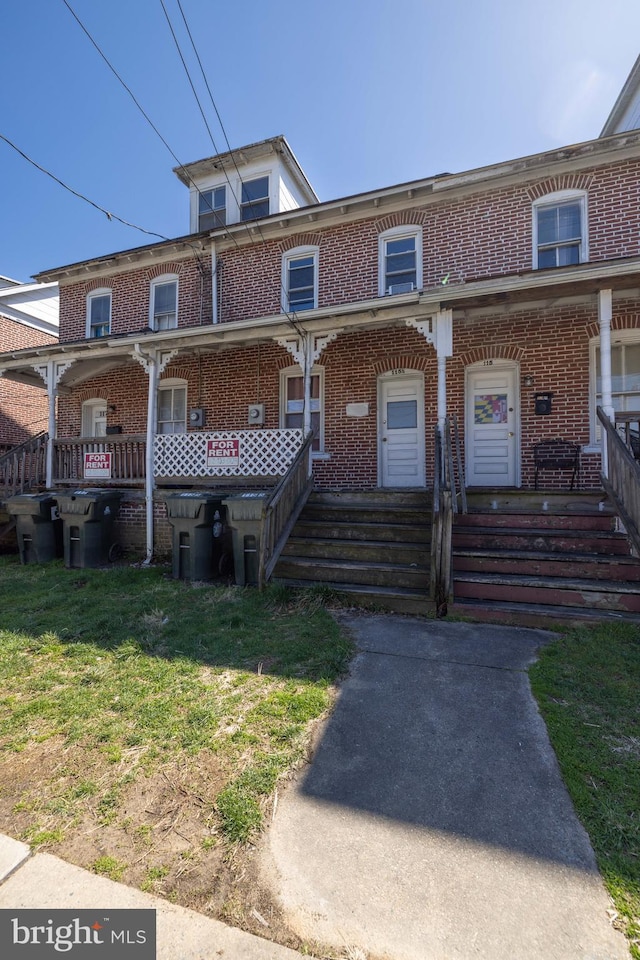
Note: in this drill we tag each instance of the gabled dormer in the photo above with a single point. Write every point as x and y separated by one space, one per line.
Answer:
245 184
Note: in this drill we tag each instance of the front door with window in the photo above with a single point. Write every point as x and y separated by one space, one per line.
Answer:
401 431
491 426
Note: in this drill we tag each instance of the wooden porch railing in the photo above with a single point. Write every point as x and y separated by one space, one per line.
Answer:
282 508
24 467
127 459
441 577
622 482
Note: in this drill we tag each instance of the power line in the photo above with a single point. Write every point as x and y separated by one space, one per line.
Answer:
76 193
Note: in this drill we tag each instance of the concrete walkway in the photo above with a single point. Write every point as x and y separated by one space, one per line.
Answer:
433 823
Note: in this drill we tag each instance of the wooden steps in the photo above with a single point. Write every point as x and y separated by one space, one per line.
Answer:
373 547
562 558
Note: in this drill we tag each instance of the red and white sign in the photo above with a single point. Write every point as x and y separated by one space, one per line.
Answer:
223 453
97 466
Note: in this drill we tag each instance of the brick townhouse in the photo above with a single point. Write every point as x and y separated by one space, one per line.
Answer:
506 296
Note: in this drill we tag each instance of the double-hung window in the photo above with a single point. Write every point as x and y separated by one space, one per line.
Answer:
255 199
99 314
212 208
625 373
300 279
164 303
172 407
400 259
292 403
560 231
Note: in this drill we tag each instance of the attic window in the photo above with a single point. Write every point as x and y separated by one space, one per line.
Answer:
255 199
212 208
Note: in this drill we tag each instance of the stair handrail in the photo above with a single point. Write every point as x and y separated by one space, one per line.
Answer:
282 508
621 481
23 467
441 575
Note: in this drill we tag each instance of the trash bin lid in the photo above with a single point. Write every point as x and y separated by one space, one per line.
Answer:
31 504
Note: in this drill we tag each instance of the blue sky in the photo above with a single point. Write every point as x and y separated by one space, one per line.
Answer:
368 93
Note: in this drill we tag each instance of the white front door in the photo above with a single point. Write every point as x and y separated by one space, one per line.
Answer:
491 425
401 431
94 418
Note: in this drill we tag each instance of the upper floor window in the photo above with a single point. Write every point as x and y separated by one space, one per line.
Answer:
212 208
560 230
172 406
255 199
400 260
99 313
164 303
300 279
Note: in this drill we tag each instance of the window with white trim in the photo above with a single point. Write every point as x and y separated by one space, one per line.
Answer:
94 417
163 303
254 203
559 229
625 375
300 279
172 406
400 260
99 313
212 208
292 402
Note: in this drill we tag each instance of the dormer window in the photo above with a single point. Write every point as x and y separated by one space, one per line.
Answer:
255 199
212 208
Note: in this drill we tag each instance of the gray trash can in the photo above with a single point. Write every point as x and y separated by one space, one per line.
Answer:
88 526
37 525
201 541
245 512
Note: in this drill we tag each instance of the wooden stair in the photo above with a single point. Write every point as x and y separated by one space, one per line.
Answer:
372 546
543 556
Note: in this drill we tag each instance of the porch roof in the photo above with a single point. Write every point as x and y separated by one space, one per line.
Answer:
531 289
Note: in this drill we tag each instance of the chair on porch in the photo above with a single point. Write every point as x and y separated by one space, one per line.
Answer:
557 455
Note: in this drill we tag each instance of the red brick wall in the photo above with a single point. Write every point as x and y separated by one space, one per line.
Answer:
488 233
23 409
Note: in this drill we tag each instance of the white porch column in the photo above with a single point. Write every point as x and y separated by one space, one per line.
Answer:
154 365
51 372
306 349
605 314
438 331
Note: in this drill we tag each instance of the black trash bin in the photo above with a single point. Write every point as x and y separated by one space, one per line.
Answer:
246 518
37 525
88 526
201 541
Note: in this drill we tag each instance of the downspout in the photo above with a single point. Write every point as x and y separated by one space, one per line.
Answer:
605 313
306 371
151 363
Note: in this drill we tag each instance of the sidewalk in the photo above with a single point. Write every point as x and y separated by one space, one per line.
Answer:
433 823
41 881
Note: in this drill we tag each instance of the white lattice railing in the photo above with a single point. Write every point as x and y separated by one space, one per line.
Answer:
228 453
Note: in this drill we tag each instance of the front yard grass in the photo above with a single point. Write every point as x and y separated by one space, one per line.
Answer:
145 723
587 685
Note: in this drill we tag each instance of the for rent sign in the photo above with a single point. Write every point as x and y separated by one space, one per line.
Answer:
97 466
223 453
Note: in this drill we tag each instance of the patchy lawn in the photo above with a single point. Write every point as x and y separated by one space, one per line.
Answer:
588 687
145 724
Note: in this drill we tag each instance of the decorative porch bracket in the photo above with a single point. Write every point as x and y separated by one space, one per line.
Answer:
162 360
438 331
309 345
52 373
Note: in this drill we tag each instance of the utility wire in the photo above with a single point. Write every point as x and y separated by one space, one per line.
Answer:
281 288
81 196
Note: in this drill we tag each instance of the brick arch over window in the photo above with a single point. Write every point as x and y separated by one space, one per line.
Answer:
164 268
570 181
89 394
175 372
412 218
401 362
478 354
631 322
300 240
97 284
